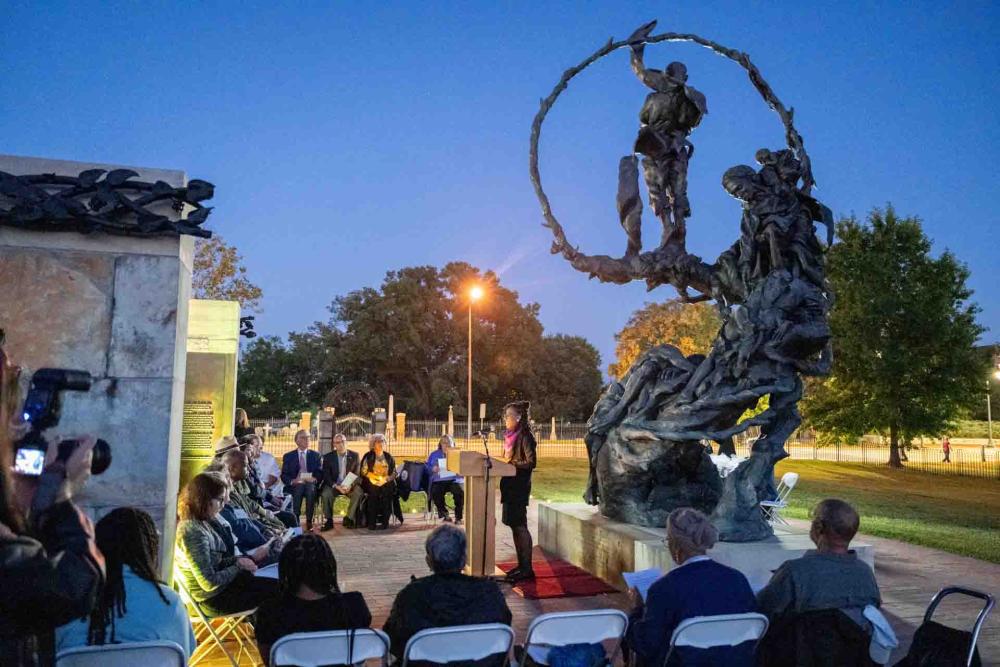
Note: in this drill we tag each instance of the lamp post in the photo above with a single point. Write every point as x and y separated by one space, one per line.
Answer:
989 407
475 294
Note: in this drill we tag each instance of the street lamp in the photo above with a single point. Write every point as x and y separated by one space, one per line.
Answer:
475 294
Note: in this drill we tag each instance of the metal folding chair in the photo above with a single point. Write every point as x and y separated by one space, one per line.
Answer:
231 624
574 627
461 642
772 508
988 603
147 654
338 647
703 632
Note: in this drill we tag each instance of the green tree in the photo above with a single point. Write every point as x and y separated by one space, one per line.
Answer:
219 274
269 382
903 330
568 379
689 327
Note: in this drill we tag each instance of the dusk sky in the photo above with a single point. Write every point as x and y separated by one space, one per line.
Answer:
348 139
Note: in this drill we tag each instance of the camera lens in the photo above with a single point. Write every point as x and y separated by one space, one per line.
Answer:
102 457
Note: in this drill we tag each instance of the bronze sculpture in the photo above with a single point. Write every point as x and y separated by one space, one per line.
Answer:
646 438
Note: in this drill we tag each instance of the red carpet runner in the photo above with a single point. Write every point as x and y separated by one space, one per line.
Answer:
555 578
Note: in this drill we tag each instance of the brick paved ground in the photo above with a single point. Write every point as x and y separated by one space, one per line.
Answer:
380 563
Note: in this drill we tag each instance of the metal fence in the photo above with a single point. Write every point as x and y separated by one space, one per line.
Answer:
566 441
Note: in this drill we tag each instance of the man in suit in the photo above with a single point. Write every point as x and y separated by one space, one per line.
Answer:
336 466
300 472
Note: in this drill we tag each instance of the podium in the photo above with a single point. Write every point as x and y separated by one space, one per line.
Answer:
480 507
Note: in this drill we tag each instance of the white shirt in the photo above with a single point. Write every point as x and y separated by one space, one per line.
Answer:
267 465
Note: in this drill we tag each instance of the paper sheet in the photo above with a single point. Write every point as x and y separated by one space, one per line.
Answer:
267 572
349 479
443 472
642 580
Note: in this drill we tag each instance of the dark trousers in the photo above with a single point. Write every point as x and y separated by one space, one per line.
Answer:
438 491
300 491
244 593
378 502
287 518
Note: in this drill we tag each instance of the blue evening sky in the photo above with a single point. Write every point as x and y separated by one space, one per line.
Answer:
348 139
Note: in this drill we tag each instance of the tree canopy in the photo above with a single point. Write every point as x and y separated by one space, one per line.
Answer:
689 327
904 334
219 274
409 338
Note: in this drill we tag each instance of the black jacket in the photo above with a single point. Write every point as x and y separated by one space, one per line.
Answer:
368 460
524 456
441 600
331 467
46 580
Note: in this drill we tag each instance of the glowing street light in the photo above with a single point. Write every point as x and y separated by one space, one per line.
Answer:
475 294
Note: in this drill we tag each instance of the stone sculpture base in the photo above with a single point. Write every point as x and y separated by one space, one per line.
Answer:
577 533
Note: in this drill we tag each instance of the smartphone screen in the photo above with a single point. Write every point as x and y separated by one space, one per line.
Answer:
29 461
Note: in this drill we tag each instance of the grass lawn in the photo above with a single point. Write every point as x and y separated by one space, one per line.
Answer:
956 514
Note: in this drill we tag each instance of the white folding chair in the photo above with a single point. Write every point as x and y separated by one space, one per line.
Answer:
231 624
147 654
461 642
574 627
703 632
311 649
772 508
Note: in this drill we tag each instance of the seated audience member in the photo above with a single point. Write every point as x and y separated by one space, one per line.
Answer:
698 586
446 597
308 597
242 426
451 484
205 555
336 466
236 463
300 472
815 595
378 480
267 466
134 605
266 475
248 533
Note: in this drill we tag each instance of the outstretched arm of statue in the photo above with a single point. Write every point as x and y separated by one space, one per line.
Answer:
637 42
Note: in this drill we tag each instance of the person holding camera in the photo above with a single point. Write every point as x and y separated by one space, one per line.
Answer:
50 567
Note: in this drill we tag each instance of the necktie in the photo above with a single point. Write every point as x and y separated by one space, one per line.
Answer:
302 462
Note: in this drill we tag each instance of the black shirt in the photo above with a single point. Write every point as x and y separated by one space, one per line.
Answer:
286 614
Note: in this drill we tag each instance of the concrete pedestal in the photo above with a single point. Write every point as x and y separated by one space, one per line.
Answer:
117 307
578 533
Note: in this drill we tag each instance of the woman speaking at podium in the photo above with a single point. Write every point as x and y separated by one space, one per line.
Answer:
515 492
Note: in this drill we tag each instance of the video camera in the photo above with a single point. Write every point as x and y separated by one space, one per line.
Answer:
41 411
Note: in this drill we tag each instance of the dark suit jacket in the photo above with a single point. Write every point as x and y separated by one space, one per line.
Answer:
290 465
331 466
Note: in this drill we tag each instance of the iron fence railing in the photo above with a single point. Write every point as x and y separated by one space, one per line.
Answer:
566 441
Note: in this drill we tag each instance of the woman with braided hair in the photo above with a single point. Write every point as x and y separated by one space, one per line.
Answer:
133 605
308 599
515 492
698 586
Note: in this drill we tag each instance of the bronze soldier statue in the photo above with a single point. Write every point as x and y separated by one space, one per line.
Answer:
668 116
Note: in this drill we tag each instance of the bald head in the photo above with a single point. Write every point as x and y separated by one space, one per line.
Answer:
835 523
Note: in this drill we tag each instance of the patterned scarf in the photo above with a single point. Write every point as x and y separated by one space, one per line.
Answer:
509 437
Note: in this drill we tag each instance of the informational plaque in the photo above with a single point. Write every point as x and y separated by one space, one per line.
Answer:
199 425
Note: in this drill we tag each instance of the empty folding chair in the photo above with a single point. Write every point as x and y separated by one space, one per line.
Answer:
574 627
462 642
703 632
147 654
772 508
338 647
937 644
231 624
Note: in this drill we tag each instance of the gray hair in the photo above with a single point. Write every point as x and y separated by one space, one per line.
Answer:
836 519
375 438
340 436
691 530
446 549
